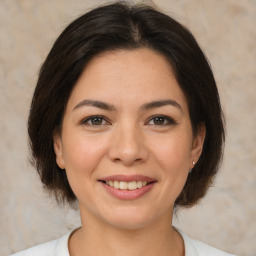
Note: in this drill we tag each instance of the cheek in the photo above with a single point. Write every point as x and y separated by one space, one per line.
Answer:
82 154
173 154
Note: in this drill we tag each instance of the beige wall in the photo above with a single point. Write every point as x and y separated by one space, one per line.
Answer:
226 218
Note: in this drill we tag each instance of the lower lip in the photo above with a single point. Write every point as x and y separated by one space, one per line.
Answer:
128 194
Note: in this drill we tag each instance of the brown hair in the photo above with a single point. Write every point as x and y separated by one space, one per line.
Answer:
124 26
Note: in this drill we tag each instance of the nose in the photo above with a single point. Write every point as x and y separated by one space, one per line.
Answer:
128 145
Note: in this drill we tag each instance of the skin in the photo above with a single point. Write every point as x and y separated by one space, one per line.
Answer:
127 139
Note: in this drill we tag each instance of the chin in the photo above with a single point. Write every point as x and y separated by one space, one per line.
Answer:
130 219
129 224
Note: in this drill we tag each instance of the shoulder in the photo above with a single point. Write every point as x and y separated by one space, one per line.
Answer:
197 248
57 247
42 249
204 249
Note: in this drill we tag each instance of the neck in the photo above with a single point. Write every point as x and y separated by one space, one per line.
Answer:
158 238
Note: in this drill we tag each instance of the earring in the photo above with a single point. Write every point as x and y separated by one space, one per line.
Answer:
192 168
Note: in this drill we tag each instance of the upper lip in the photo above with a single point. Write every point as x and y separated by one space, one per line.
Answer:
128 178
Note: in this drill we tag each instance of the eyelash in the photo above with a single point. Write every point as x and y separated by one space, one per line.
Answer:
90 118
167 120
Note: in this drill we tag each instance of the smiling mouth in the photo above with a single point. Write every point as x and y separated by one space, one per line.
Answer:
123 185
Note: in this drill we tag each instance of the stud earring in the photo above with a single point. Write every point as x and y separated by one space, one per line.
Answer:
192 168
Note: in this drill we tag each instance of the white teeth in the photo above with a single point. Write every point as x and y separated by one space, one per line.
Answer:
132 185
139 184
123 185
116 184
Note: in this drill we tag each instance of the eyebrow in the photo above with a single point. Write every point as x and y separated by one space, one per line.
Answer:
147 106
94 103
161 103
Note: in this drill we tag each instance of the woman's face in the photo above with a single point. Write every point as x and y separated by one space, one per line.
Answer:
126 142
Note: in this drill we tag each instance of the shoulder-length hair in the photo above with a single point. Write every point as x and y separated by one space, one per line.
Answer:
125 26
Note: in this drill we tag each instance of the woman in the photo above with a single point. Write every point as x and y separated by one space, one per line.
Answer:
126 120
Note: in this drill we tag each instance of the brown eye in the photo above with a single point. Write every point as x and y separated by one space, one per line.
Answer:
161 120
95 121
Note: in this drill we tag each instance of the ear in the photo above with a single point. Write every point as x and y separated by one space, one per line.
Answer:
58 149
198 143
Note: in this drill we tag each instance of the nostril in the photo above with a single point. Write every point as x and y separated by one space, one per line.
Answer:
127 150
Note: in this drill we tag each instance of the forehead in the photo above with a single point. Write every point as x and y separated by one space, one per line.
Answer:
127 76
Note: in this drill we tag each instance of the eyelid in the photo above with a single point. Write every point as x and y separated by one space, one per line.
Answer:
84 121
170 120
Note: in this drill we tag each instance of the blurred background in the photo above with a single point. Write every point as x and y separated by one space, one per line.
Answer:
225 29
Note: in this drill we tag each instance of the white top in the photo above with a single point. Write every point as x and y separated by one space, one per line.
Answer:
59 247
